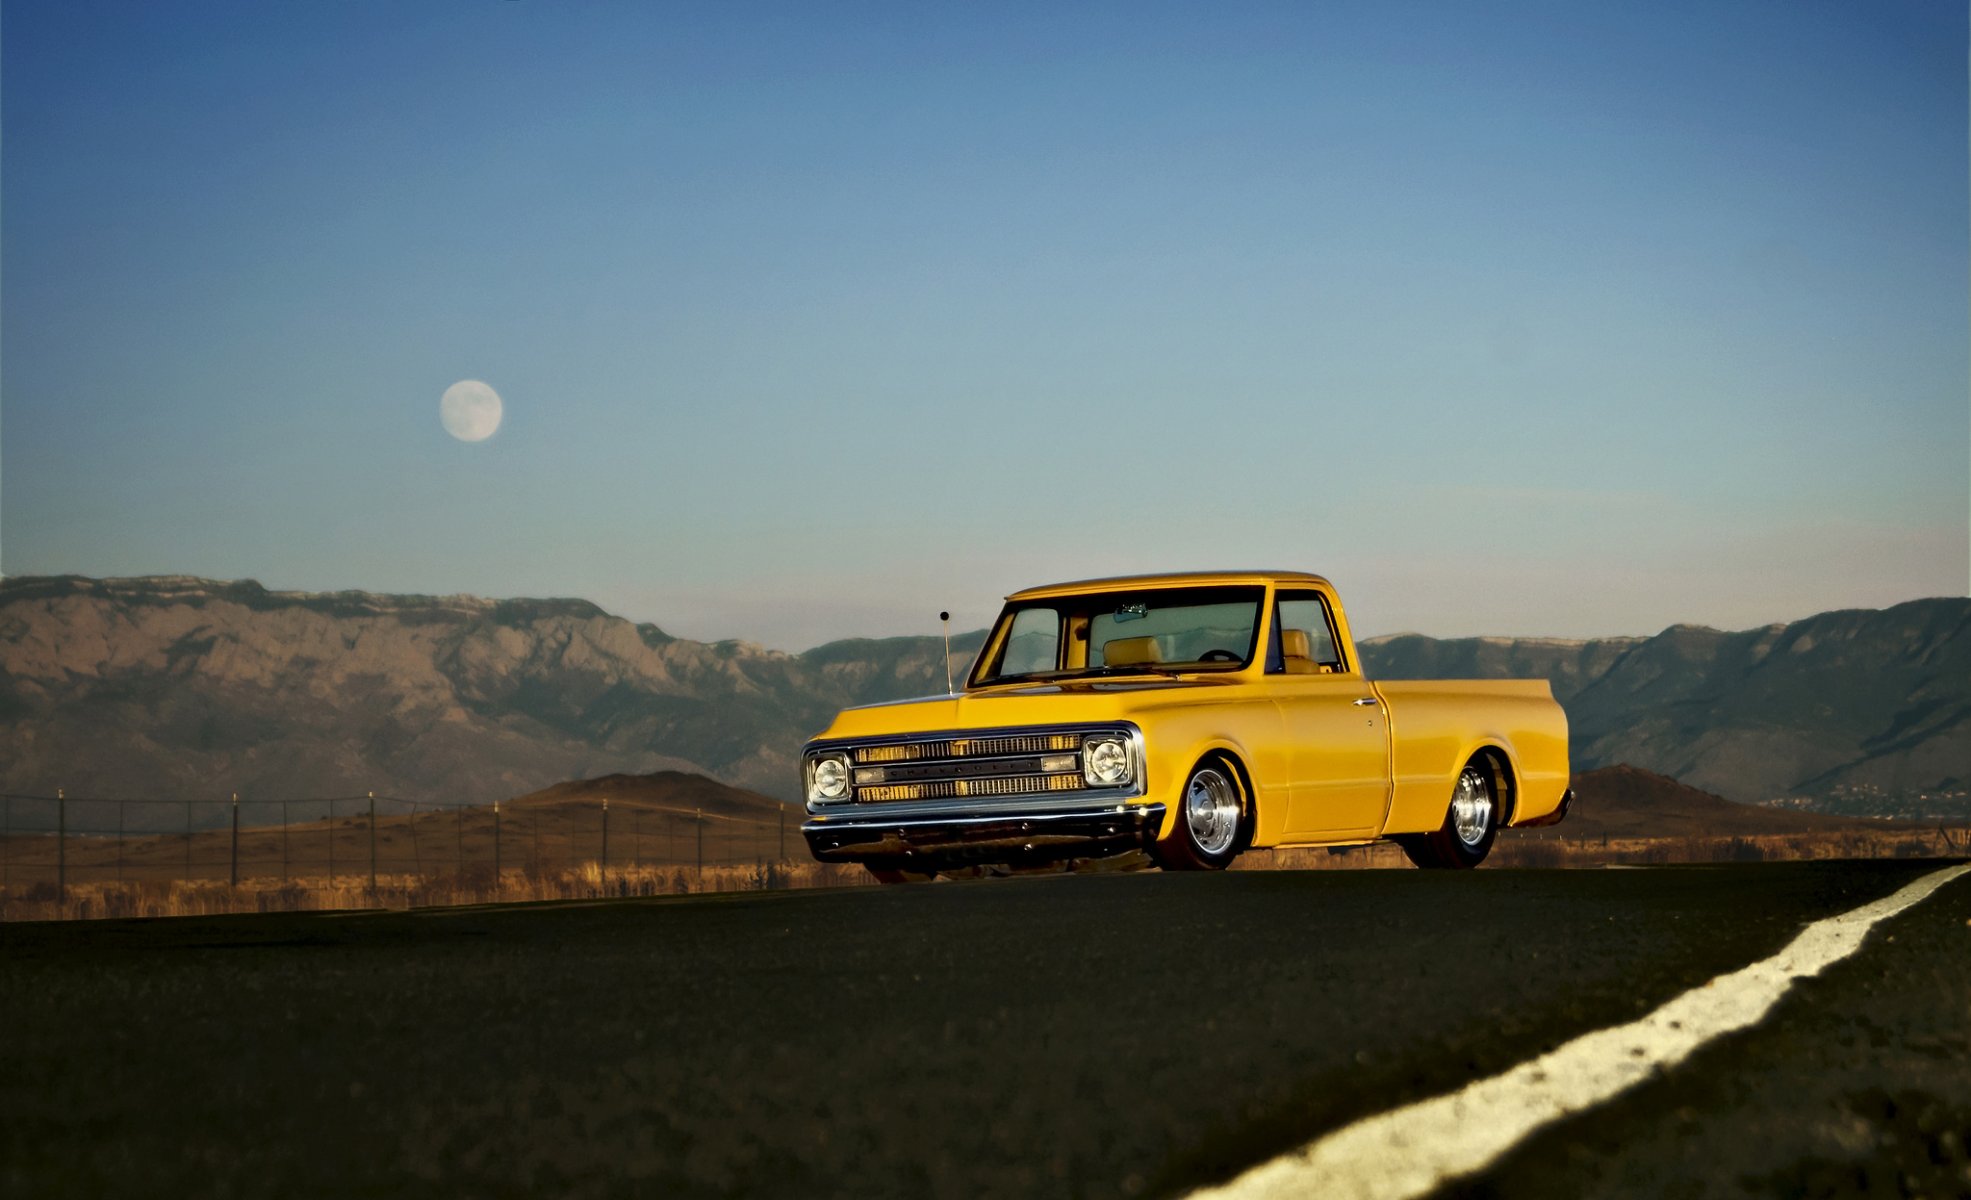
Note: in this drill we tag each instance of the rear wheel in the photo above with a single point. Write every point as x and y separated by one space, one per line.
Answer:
1471 822
1213 821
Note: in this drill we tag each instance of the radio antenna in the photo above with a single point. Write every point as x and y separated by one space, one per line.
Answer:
949 690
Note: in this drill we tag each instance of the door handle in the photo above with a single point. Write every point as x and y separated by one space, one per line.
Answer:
1367 700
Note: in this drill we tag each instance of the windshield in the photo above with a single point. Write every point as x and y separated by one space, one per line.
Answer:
1157 631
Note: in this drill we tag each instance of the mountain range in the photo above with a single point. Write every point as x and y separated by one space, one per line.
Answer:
177 686
1861 711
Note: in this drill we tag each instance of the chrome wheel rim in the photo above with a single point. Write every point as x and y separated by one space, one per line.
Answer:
1471 807
1211 811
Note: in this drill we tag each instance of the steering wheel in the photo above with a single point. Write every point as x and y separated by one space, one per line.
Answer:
1218 656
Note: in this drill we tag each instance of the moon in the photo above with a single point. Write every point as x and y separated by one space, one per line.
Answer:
470 410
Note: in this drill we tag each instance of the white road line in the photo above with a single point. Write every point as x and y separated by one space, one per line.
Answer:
1412 1150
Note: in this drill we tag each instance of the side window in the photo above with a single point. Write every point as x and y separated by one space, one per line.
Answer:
1034 642
1305 636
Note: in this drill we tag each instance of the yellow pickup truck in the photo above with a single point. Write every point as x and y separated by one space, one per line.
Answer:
1188 716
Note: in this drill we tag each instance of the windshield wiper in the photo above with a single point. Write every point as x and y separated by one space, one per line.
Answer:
1141 669
1079 673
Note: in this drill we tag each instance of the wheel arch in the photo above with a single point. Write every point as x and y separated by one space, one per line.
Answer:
1214 752
1498 760
1230 757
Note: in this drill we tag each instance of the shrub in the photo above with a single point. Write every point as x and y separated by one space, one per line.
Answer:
1744 850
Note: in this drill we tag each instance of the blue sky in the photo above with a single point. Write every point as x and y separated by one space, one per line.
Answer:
810 320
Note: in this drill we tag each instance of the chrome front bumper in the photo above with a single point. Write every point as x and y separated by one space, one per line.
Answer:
996 835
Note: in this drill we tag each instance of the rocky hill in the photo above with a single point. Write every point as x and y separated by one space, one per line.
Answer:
176 686
189 687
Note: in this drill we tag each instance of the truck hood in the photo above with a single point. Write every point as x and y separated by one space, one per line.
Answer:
1067 703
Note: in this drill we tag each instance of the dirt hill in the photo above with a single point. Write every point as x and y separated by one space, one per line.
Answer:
670 791
1629 802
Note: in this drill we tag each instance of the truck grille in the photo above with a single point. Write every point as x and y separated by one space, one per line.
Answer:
947 767
1039 743
1011 785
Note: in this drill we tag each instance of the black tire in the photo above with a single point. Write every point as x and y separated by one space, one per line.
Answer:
1471 824
1214 821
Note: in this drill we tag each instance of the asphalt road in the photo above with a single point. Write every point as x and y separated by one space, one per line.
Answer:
1102 1035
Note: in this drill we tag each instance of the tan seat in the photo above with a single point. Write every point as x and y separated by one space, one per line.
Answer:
1130 652
1297 653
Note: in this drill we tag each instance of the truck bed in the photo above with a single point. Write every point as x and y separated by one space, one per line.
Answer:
1434 725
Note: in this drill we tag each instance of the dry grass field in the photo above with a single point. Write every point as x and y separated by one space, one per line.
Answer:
173 898
1516 849
531 836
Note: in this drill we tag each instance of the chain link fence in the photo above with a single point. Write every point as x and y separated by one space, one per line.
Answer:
63 855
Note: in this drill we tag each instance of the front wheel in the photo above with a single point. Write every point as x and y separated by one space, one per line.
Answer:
1213 824
1471 822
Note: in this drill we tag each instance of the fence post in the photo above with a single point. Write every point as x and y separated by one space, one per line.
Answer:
283 843
700 818
233 876
417 855
605 838
61 846
496 845
331 828
783 835
372 843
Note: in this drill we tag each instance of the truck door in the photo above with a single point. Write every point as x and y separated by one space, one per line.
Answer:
1337 733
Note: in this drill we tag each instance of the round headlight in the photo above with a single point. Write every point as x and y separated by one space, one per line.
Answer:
830 780
1105 762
